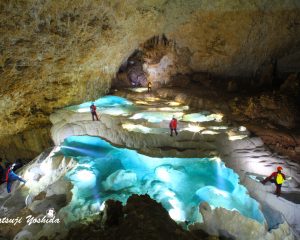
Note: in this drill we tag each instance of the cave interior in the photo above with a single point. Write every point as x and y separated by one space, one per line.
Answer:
228 73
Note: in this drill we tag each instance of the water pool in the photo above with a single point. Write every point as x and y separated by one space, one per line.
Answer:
180 184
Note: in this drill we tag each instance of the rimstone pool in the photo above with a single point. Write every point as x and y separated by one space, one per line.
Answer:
180 184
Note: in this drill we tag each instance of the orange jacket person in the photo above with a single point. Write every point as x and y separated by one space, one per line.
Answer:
149 86
277 178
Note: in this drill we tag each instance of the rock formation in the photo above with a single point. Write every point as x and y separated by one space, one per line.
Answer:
141 218
54 54
214 224
49 176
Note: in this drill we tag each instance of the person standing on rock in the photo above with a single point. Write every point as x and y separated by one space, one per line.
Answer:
277 178
149 86
11 177
173 126
93 109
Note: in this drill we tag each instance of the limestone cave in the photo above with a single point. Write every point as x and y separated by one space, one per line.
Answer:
150 119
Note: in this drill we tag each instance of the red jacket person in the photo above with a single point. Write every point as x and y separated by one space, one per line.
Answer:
173 126
277 178
93 112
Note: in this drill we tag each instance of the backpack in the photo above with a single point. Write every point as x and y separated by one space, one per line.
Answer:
93 108
7 174
279 178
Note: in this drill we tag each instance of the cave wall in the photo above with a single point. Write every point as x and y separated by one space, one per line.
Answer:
57 53
25 145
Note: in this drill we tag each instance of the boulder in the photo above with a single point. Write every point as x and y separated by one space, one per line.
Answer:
141 218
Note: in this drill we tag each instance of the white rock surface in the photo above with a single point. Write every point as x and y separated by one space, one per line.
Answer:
231 224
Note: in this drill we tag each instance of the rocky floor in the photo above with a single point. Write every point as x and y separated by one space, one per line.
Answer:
209 134
247 155
141 218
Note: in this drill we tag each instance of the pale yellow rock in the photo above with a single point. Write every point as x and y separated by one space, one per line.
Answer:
57 53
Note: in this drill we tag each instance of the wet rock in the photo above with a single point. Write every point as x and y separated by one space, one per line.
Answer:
113 213
141 218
